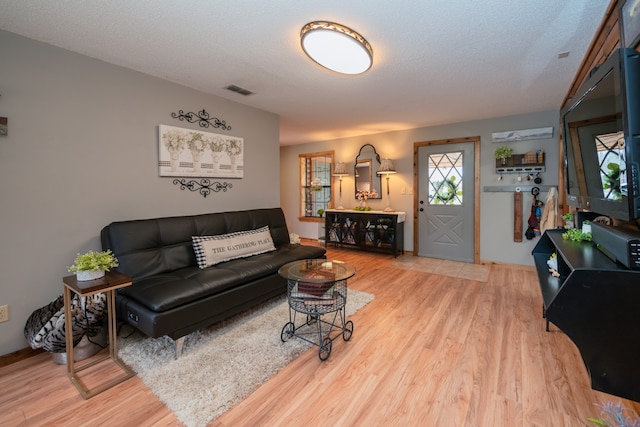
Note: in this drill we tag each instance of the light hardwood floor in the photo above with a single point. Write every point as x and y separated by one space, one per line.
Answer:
442 344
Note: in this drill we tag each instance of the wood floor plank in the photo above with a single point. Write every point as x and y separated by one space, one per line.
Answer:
435 347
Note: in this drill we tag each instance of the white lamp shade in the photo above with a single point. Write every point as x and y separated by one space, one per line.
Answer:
340 169
386 167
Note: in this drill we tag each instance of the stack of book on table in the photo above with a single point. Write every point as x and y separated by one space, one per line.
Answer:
316 287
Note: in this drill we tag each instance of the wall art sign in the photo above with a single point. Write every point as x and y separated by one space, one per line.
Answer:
194 153
630 23
522 135
4 126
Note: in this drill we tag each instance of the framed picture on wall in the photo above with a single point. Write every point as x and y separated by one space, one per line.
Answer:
629 23
194 153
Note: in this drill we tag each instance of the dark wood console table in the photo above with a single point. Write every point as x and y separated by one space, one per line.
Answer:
368 230
595 302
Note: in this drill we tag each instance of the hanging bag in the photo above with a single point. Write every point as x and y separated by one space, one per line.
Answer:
532 222
534 216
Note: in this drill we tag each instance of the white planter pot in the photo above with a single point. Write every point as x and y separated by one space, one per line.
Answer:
83 276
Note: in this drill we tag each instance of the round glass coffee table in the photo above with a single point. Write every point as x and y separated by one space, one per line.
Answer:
317 288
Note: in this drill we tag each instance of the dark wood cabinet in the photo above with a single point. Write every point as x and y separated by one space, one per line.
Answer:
373 231
596 303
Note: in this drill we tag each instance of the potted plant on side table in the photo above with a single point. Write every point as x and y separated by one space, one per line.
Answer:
93 265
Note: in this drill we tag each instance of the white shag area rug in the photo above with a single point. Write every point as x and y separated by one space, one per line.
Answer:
223 364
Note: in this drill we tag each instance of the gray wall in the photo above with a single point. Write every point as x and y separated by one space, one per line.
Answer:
496 208
82 152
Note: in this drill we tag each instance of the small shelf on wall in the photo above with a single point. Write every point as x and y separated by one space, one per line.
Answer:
522 163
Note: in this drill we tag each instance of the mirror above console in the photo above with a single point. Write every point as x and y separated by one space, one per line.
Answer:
366 165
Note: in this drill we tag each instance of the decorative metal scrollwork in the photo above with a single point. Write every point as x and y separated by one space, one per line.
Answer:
203 118
205 186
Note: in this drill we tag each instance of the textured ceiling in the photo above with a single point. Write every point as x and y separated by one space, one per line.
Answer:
435 61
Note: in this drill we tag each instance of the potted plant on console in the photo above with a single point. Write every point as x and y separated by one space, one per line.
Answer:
93 265
568 220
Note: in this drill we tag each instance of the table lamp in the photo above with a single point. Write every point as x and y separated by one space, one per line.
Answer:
340 170
387 168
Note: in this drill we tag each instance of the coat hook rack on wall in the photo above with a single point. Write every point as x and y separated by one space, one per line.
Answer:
204 187
202 118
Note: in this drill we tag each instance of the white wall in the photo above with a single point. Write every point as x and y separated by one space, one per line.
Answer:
82 152
496 208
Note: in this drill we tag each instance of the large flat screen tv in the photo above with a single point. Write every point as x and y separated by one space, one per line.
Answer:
602 139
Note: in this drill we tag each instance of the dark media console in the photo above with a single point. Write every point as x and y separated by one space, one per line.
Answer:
596 299
594 302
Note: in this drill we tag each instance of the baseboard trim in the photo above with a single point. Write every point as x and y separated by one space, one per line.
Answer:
19 355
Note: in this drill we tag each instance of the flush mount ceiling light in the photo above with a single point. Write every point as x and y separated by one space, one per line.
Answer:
336 47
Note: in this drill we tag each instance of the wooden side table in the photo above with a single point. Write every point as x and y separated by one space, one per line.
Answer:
107 284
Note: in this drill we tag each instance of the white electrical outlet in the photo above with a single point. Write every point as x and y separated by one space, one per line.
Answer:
4 313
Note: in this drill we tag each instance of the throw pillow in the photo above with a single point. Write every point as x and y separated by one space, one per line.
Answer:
211 250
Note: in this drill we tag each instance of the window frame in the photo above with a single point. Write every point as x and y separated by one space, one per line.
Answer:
455 172
307 173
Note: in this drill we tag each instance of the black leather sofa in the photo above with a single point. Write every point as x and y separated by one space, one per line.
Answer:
171 295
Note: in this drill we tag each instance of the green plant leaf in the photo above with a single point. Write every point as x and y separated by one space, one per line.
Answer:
503 152
91 260
576 235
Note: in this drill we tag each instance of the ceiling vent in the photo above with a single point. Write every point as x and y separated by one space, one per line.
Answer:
238 89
